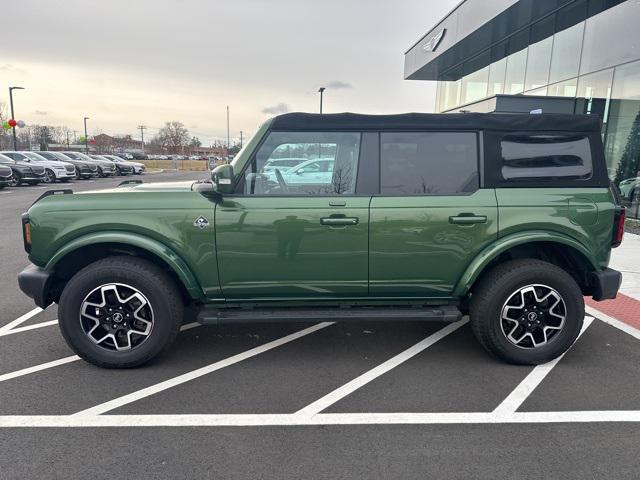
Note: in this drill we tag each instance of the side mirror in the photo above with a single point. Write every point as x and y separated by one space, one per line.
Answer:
222 178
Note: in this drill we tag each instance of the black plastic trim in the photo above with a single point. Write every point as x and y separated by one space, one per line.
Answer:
606 284
48 193
34 282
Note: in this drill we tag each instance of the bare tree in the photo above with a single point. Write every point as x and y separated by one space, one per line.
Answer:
173 136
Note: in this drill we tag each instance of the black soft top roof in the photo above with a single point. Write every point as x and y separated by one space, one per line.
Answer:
437 121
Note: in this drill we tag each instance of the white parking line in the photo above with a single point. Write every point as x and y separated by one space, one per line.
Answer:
29 327
19 320
38 368
517 397
295 419
186 377
350 387
625 327
63 361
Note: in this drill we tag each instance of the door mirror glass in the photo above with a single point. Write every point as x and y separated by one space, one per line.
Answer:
222 178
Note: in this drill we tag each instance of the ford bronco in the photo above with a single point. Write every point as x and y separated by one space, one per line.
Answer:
509 219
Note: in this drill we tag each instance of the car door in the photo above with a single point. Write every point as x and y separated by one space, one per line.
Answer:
308 239
431 217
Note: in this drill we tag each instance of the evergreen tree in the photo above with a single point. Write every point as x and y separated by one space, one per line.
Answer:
630 162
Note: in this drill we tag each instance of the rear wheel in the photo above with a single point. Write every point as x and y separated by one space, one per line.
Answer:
527 311
101 173
120 312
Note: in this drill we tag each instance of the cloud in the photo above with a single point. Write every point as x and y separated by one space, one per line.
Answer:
41 112
338 84
276 109
7 67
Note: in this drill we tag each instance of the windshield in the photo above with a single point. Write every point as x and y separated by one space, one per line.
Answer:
241 158
34 156
49 156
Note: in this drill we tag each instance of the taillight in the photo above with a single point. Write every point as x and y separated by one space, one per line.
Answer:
618 226
26 232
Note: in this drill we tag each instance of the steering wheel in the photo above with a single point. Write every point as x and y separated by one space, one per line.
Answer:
281 182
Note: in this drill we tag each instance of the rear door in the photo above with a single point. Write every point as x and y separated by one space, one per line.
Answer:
298 235
431 218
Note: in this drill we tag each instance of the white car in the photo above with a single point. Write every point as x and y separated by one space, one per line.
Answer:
138 168
61 171
318 171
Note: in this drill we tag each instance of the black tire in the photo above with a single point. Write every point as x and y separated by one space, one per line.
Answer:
49 176
15 180
151 281
495 288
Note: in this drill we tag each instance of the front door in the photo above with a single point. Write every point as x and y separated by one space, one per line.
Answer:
295 228
431 218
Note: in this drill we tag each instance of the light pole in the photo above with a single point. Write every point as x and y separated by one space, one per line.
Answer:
321 92
15 140
228 135
142 128
86 140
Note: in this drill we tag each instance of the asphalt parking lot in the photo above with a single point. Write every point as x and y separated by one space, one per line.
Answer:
325 400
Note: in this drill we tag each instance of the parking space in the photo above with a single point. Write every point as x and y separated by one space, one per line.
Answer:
278 400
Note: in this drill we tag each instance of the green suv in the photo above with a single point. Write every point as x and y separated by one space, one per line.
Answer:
507 218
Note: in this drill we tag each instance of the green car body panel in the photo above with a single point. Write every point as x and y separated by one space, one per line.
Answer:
269 249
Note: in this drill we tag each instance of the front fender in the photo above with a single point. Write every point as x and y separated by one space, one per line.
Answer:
485 257
174 261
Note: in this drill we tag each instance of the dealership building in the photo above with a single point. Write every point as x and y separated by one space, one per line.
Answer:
549 56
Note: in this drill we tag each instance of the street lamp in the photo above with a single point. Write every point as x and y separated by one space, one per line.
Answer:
321 92
15 140
86 140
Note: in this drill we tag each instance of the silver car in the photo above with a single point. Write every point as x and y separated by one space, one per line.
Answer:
61 171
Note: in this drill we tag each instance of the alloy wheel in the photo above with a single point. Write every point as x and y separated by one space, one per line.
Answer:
116 317
49 177
14 181
533 316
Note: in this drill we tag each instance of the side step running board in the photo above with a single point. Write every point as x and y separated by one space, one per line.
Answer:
213 316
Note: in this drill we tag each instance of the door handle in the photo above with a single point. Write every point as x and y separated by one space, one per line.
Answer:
467 219
339 221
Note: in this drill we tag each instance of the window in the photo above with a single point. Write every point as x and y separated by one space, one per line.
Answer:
546 156
303 163
516 66
565 58
429 163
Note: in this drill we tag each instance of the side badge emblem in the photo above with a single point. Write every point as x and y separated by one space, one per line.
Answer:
201 223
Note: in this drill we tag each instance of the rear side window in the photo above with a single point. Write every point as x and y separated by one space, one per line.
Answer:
428 163
526 157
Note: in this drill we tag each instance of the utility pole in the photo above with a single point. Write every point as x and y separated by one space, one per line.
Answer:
321 92
75 137
86 140
142 128
228 135
67 139
240 139
13 117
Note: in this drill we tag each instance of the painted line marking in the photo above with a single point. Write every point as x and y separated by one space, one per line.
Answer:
358 382
38 368
519 394
186 377
63 361
614 322
294 419
29 327
19 320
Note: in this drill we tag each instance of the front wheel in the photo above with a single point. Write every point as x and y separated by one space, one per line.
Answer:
120 312
101 173
527 312
14 181
49 176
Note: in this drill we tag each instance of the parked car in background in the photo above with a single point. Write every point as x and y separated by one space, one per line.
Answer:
122 168
54 170
105 168
138 168
23 172
84 169
629 188
5 176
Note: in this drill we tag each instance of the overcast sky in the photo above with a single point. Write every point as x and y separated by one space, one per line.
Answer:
130 62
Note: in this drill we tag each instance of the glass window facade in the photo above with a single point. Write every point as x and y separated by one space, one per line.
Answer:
595 60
